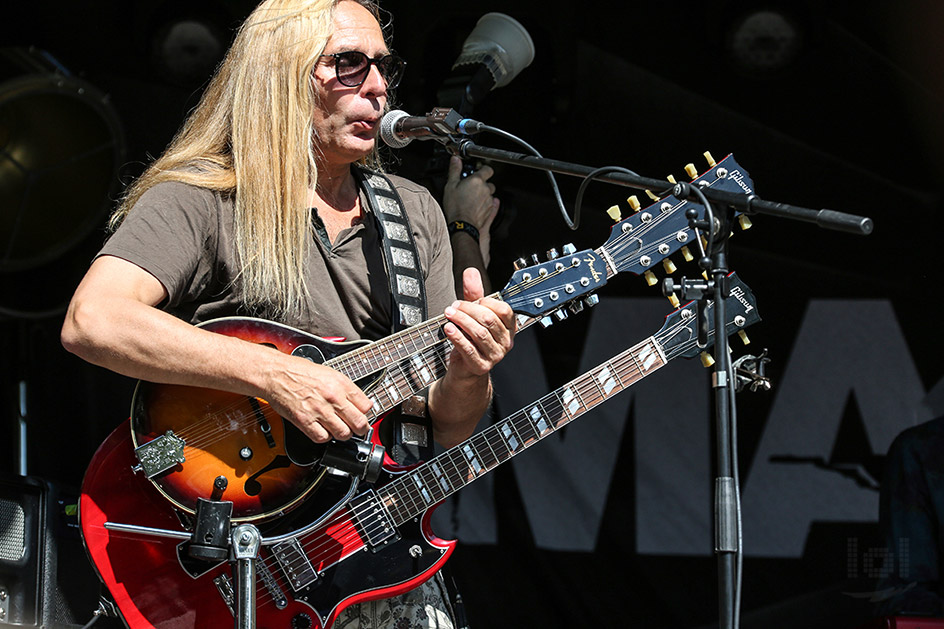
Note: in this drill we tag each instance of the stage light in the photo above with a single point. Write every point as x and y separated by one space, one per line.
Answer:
765 41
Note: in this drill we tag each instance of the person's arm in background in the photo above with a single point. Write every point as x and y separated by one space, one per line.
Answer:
469 200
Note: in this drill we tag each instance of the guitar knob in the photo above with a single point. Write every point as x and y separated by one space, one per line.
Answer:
552 254
301 621
520 263
569 249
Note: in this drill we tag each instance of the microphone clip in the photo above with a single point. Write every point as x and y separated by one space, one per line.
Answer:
444 121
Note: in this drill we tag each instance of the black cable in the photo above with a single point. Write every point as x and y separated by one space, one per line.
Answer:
557 196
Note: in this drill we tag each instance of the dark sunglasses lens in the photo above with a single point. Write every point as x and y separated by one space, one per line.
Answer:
352 68
391 68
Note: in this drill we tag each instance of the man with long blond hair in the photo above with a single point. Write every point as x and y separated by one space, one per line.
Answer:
256 208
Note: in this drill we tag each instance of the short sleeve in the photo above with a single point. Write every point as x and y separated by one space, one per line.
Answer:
169 233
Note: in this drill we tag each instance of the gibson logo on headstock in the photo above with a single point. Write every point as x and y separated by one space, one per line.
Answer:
590 259
738 293
738 178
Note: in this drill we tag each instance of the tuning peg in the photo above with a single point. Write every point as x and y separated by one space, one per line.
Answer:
552 254
520 263
652 196
744 339
706 359
711 160
674 301
569 249
669 266
591 300
535 259
546 322
523 319
560 314
745 221
651 278
687 254
614 213
576 307
691 171
634 204
671 179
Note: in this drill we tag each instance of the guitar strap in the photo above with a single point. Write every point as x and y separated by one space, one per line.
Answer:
409 435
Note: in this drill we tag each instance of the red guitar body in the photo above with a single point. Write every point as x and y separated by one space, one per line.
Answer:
155 584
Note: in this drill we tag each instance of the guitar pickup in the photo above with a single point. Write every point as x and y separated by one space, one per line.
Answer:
372 521
295 564
159 455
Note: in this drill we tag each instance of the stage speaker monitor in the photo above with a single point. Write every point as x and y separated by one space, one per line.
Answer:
61 145
45 578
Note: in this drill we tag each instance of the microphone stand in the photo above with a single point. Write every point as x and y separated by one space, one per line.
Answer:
745 203
720 206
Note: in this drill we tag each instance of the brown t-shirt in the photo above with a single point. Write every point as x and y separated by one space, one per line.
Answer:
183 236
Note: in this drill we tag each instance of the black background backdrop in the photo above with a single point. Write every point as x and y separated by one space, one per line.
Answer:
850 122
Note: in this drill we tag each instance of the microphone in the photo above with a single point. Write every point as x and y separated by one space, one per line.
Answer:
398 128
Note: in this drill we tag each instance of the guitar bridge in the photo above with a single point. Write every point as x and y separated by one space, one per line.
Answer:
224 585
159 455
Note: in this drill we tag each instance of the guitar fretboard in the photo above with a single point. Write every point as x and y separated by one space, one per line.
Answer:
416 491
374 357
407 378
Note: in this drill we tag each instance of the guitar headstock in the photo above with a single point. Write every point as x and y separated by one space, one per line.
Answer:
679 334
636 245
547 287
640 242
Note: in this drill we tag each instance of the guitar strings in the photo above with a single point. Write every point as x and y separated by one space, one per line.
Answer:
591 394
207 432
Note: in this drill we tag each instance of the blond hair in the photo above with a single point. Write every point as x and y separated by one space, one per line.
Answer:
251 138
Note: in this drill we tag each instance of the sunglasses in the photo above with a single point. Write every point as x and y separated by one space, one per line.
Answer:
353 66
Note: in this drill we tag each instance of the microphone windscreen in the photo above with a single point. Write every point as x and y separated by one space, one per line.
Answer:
388 129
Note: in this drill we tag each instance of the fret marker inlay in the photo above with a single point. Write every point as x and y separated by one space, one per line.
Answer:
606 381
571 401
538 418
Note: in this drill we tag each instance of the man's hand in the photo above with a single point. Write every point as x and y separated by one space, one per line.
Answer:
322 402
480 329
471 200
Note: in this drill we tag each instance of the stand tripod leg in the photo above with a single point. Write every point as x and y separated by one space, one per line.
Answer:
246 540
